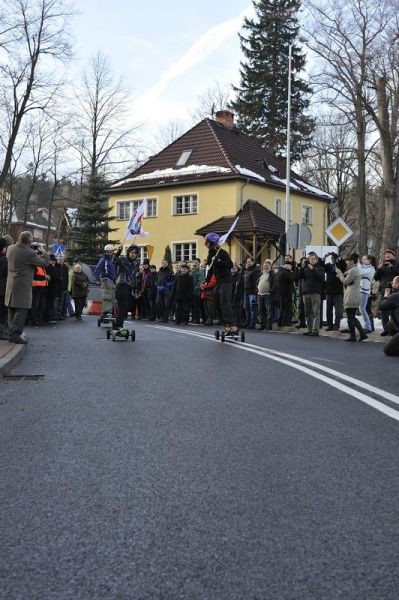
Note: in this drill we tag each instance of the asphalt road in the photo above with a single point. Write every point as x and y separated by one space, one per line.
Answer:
180 468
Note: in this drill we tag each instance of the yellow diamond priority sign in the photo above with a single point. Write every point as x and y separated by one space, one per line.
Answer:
339 231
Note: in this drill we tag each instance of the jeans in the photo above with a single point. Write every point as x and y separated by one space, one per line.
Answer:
67 306
363 309
163 304
353 322
250 308
265 310
312 311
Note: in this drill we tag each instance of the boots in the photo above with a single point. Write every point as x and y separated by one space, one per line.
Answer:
360 329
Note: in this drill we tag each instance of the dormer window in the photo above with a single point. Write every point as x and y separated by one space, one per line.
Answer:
184 156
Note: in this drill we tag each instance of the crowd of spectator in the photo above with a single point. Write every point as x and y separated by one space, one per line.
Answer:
264 297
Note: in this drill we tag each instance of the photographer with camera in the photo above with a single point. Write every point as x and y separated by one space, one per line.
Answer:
334 290
312 274
390 304
387 270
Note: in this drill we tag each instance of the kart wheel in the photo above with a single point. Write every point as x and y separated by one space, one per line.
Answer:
108 334
217 334
242 336
98 322
133 335
222 336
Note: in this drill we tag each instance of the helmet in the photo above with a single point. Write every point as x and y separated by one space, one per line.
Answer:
213 238
109 248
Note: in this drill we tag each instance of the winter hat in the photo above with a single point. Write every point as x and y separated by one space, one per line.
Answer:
52 257
213 238
390 251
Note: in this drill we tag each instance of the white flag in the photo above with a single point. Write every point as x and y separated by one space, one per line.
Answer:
224 237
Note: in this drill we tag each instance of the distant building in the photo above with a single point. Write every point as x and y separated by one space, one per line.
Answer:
201 181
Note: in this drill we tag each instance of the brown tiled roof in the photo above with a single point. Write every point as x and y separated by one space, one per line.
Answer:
253 218
218 153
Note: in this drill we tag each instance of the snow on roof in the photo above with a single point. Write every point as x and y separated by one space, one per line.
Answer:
313 189
161 173
249 173
284 181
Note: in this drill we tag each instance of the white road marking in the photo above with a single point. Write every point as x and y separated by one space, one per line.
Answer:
288 359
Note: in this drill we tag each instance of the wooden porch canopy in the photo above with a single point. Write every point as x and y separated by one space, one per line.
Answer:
256 229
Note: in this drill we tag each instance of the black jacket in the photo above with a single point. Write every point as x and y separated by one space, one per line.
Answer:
54 287
251 277
221 266
285 282
183 287
333 283
3 274
391 303
313 280
386 273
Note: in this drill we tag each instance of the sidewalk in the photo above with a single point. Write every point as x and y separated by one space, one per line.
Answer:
10 355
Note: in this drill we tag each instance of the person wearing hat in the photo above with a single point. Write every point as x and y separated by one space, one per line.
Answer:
22 261
387 270
220 264
127 268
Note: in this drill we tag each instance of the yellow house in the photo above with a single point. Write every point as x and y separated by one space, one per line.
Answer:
205 178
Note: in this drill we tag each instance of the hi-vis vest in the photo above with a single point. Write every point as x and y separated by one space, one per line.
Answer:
39 278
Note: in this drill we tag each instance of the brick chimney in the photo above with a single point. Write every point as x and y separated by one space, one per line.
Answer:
226 118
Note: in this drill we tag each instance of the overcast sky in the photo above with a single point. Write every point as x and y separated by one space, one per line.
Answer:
167 52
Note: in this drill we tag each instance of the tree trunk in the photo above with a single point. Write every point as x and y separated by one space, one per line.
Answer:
361 176
391 219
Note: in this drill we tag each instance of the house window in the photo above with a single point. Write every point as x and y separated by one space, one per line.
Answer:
185 205
151 208
123 210
126 209
38 234
307 214
184 251
143 253
279 209
183 158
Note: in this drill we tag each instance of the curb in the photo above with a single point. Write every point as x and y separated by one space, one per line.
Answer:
11 359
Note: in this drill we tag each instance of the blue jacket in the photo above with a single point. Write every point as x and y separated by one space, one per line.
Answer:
105 268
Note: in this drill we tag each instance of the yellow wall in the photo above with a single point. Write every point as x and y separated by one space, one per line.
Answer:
215 200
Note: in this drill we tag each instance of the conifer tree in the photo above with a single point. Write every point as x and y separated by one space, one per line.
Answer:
168 255
93 222
261 98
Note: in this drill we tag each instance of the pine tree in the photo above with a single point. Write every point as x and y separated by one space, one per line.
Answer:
168 255
93 222
261 98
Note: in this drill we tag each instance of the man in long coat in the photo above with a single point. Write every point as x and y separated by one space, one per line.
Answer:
22 260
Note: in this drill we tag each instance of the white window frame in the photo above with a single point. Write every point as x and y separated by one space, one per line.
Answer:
133 205
192 255
188 195
278 202
304 219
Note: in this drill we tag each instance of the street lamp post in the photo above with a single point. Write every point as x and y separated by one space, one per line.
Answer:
288 162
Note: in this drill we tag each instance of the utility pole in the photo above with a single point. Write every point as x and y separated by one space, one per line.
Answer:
288 162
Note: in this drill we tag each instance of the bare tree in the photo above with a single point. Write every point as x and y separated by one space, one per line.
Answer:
33 35
102 140
170 132
212 100
342 34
